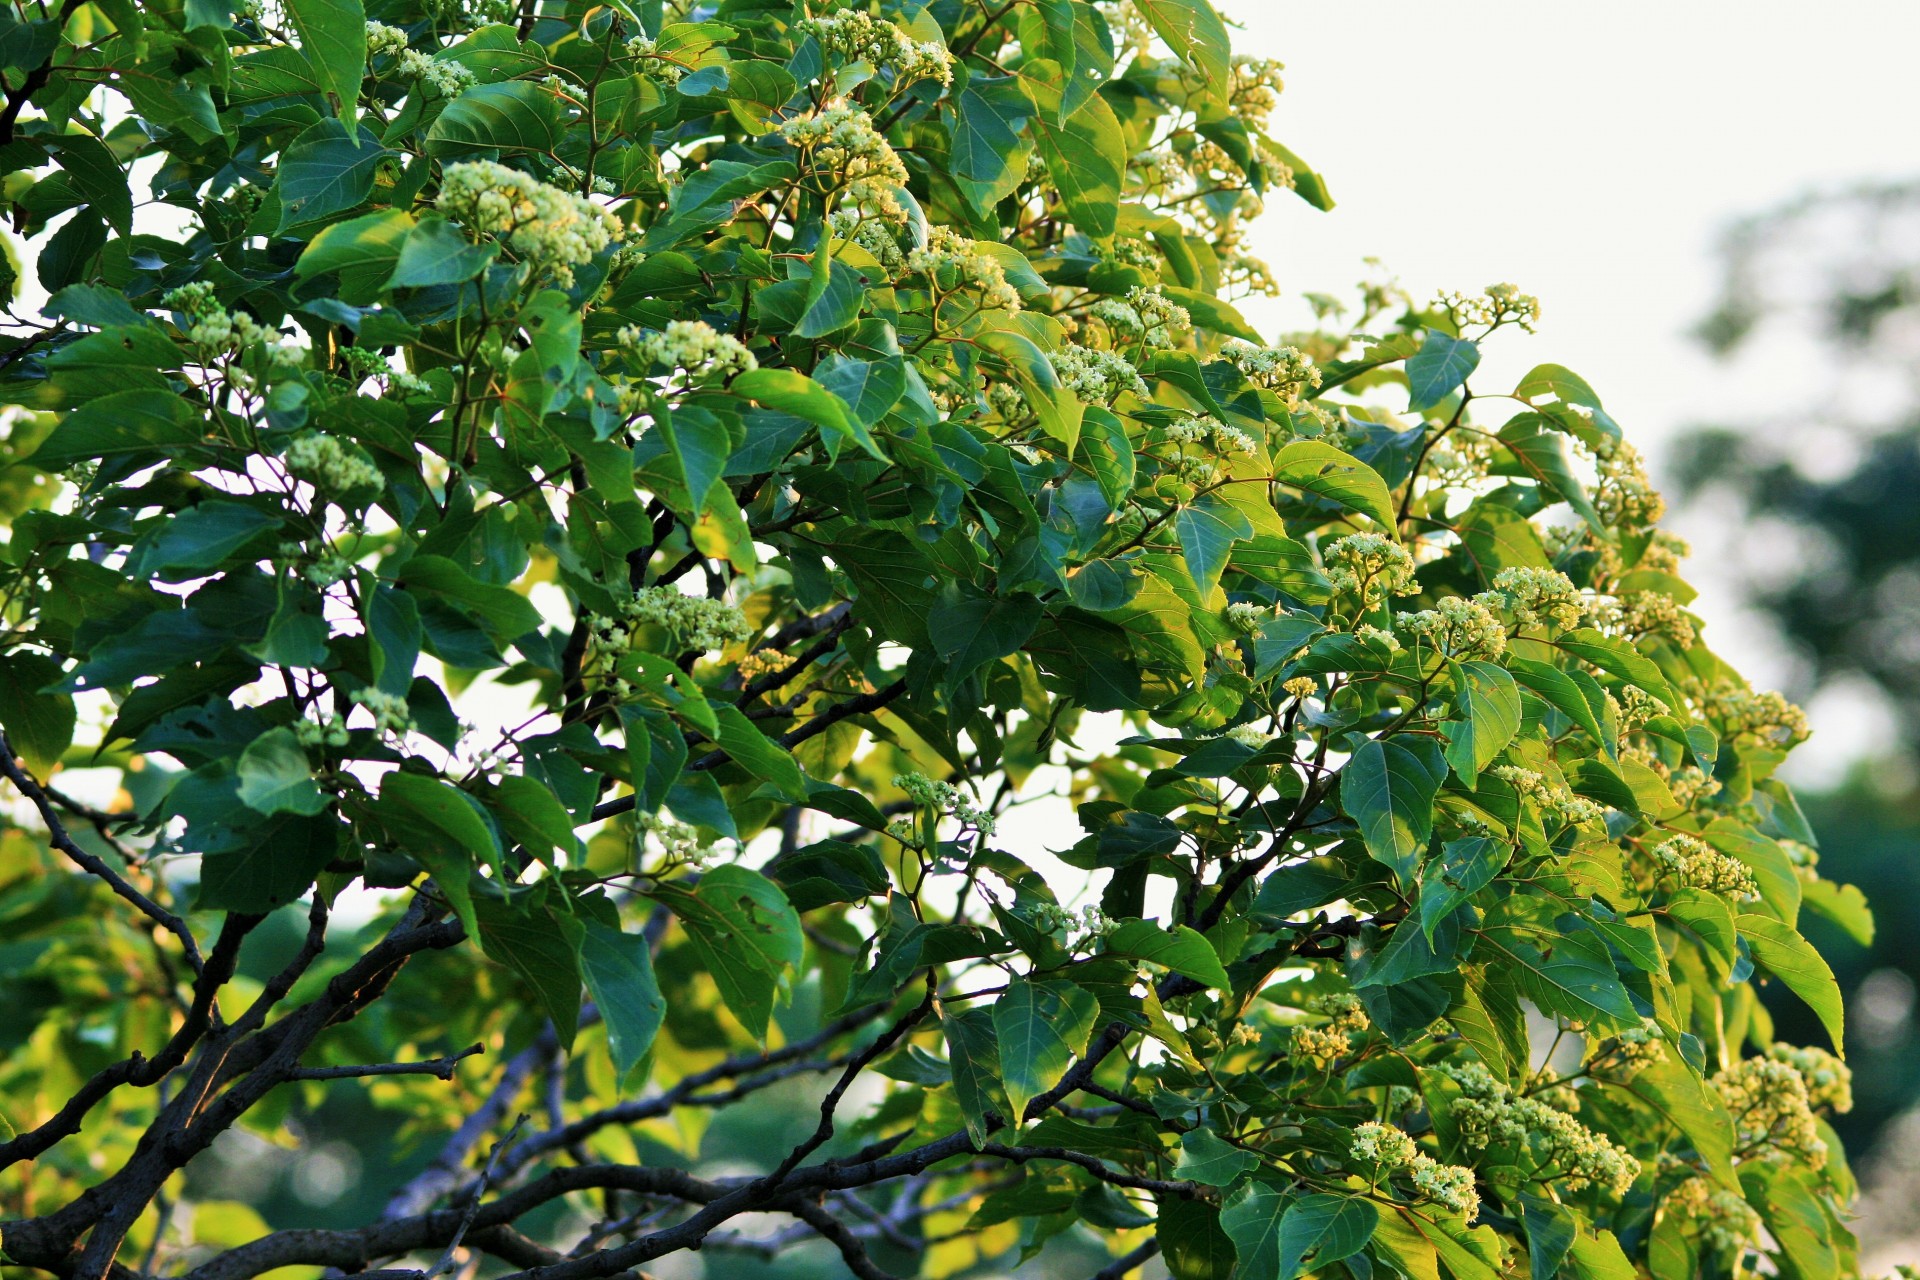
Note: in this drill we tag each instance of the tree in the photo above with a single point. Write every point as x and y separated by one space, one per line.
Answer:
636 504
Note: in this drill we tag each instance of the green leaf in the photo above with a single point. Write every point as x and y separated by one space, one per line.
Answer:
1551 1228
1179 949
870 387
275 776
441 826
973 1058
542 945
1542 455
1207 529
1558 690
97 176
988 154
1388 787
1251 1217
1670 1088
1040 1027
117 425
1207 1158
1438 369
1056 407
532 815
1463 868
1619 658
795 393
1711 920
1086 154
1108 454
1596 1255
1191 1241
971 628
1198 38
365 248
618 969
502 610
1781 951
326 171
1569 975
514 115
1338 477
437 252
753 751
1843 904
706 199
1773 871
273 865
333 35
745 932
1325 1228
39 726
199 539
1489 704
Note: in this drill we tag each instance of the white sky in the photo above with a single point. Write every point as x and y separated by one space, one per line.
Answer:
1590 154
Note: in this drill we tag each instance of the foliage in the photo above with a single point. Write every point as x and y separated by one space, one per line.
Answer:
637 503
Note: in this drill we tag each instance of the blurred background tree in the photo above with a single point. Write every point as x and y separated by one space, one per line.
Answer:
1824 293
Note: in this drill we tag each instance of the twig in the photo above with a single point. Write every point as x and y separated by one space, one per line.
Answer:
446 1263
442 1067
1122 1266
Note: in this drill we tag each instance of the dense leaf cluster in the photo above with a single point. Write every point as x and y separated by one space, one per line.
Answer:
626 520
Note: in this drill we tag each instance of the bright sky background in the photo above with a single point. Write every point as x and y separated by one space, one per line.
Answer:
1589 154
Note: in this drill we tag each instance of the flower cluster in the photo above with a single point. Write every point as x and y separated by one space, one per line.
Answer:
1248 735
1642 613
1494 306
1540 597
1829 1080
1460 627
659 66
840 140
331 732
1770 1105
448 79
1726 1222
1089 923
1342 1009
1255 89
331 467
1370 566
1550 797
1210 431
945 798
389 710
1748 717
1625 499
382 38
678 841
1697 865
1147 317
690 346
364 364
1096 376
873 235
697 622
1490 1113
1632 1049
1384 1148
1247 618
950 261
212 327
853 36
1285 371
552 230
1301 687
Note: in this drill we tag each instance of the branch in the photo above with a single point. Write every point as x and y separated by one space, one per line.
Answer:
442 1067
1122 1266
92 864
1098 1168
446 1263
446 1171
841 1237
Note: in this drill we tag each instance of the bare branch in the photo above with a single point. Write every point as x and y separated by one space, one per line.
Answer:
442 1067
1121 1266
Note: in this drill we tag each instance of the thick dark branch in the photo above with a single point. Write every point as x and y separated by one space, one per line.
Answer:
92 864
841 1237
138 1069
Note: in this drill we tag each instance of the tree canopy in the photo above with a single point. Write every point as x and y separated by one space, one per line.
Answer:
577 573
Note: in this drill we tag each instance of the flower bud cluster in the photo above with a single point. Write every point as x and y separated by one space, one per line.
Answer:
1342 1009
1489 1113
659 66
1301 687
382 38
1384 1148
364 364
874 236
1697 865
1634 1048
854 36
840 141
1769 1102
1460 627
690 346
1374 635
1247 618
1550 797
448 79
1726 1223
1642 613
1096 376
332 468
1248 735
945 798
1540 597
1147 316
1829 1080
950 261
331 732
550 229
1496 305
211 326
1623 496
1208 430
1370 566
389 710
1088 923
680 842
1255 89
1748 717
696 622
1285 371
